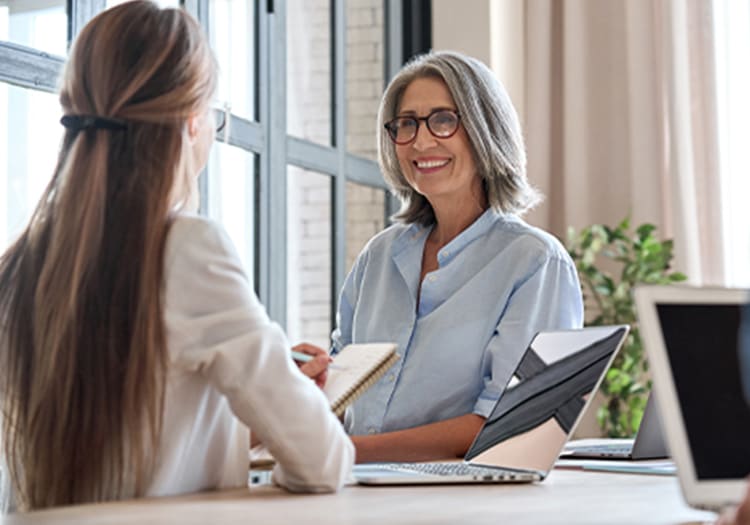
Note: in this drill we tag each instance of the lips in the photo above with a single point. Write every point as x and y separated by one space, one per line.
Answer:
429 165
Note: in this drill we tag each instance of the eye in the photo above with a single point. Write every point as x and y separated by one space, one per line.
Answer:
443 118
405 123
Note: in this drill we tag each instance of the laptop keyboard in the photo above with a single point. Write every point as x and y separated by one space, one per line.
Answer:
456 469
603 449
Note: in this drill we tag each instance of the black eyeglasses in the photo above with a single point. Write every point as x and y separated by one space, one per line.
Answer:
442 123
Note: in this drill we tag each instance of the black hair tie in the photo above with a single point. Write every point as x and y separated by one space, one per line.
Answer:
79 122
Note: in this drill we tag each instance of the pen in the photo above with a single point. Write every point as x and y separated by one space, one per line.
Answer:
304 358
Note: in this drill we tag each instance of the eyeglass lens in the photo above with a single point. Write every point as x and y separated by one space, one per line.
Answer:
441 124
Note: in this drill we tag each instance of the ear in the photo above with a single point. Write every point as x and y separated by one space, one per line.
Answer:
193 126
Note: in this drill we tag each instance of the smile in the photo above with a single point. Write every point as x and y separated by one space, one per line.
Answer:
429 164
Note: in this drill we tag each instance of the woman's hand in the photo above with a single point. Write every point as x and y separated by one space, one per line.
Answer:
317 368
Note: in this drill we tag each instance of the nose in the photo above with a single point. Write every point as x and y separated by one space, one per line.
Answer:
424 139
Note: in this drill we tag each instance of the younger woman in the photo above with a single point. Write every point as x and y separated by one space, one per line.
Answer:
134 356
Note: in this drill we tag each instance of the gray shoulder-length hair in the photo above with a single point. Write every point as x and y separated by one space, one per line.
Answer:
490 121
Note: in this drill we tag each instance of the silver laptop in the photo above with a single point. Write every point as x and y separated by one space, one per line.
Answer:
648 443
691 338
530 423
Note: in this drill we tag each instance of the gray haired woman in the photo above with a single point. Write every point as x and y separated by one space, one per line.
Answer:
460 282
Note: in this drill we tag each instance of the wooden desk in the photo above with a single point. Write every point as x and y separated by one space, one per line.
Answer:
566 496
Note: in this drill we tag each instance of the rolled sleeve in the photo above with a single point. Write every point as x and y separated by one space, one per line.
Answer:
549 299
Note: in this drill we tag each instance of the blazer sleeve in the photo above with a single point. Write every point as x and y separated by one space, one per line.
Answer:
219 329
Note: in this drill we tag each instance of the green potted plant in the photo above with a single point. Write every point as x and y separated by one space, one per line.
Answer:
600 253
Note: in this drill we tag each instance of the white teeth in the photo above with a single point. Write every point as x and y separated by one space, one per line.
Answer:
425 164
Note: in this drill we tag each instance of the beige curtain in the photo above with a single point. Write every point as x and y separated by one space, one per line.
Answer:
620 119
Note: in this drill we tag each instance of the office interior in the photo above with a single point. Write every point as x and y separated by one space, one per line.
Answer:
630 108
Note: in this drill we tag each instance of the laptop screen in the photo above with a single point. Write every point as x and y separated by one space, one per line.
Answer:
546 395
701 342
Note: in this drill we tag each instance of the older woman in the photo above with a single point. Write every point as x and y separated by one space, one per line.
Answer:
461 283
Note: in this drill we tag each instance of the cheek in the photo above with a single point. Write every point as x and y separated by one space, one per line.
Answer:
404 163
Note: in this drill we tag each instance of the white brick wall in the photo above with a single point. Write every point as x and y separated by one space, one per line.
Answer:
309 200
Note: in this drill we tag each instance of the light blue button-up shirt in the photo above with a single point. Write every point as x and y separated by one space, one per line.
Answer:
498 283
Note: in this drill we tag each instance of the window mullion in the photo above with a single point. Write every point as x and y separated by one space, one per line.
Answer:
338 223
80 12
273 187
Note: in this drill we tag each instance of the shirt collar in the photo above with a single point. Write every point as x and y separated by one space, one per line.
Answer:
414 235
475 230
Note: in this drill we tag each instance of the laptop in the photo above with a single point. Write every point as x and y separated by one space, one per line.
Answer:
530 422
691 338
648 442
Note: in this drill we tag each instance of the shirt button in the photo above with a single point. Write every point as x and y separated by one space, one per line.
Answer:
432 278
391 378
446 253
371 430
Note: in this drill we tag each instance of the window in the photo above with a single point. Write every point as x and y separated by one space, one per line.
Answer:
29 128
303 85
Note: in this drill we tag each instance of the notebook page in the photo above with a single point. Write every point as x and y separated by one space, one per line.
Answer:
355 363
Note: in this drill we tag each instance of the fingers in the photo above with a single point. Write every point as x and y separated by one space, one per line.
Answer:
310 349
317 369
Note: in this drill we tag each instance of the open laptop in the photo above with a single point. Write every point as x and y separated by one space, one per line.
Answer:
691 339
648 443
531 421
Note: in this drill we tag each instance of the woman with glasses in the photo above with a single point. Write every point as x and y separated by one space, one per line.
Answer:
461 282
134 355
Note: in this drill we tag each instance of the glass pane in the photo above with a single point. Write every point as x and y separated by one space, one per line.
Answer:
231 198
42 25
365 216
232 30
364 75
309 70
309 257
30 135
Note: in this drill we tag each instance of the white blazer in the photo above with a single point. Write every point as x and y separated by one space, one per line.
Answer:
230 370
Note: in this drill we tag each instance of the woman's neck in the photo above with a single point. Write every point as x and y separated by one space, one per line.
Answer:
451 221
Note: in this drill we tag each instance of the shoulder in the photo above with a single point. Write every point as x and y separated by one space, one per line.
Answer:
521 237
197 246
196 229
387 237
192 234
387 241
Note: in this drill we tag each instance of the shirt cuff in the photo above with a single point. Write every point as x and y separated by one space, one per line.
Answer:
484 405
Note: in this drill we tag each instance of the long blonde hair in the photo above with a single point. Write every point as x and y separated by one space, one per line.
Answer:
82 338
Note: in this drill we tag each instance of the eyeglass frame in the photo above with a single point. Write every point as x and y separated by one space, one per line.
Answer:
426 120
222 114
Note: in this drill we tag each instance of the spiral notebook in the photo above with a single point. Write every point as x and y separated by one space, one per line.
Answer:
357 367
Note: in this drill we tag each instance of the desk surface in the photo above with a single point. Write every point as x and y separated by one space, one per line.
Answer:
566 496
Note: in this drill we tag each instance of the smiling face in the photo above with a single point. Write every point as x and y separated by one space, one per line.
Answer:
443 170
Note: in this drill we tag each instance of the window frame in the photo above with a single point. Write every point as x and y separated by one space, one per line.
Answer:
266 137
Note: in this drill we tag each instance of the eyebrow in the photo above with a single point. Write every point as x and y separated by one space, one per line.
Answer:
411 113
